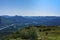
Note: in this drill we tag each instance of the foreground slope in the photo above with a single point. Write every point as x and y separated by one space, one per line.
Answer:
35 33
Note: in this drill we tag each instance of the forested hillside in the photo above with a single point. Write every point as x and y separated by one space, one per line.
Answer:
34 33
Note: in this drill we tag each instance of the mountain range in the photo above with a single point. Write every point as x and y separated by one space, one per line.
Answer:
8 23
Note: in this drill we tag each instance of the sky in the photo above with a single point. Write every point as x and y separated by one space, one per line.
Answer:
30 7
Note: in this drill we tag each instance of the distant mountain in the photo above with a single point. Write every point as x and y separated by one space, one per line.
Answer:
41 20
22 21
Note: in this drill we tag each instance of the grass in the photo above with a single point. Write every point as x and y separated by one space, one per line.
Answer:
53 34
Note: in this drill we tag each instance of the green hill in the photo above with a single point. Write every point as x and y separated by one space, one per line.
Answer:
35 33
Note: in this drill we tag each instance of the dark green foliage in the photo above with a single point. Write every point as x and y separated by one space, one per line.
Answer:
25 33
29 33
34 33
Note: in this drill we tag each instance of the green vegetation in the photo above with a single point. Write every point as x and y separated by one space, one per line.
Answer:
35 33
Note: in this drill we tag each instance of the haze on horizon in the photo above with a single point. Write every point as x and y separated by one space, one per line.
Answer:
30 7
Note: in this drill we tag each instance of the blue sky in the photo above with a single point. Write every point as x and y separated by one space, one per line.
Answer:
30 7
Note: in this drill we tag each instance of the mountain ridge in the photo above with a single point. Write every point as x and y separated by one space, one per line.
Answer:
22 21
